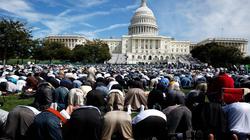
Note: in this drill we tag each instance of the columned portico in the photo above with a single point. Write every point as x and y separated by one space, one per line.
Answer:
143 44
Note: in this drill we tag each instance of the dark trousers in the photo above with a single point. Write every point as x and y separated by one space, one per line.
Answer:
85 123
179 120
152 126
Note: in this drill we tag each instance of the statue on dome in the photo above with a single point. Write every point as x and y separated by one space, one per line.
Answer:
143 3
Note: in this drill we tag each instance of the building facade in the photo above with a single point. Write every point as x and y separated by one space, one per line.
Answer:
239 43
69 41
143 44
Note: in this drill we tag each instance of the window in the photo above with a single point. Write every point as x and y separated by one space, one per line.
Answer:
150 57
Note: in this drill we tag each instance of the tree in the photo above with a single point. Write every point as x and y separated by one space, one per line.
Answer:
63 53
98 51
79 54
217 55
246 60
92 52
55 50
36 50
103 52
15 39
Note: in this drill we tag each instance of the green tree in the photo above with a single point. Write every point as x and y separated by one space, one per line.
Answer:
55 50
79 54
92 52
15 39
36 50
103 52
217 55
63 53
99 51
246 60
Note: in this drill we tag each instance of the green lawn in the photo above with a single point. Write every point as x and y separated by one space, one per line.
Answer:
11 101
25 61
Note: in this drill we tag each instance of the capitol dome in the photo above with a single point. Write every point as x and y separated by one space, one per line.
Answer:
143 22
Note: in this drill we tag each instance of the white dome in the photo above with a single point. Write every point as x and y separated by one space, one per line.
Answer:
144 10
143 21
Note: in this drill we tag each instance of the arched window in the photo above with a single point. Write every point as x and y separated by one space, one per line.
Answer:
150 57
156 58
167 57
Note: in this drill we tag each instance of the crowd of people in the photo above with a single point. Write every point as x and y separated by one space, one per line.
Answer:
141 102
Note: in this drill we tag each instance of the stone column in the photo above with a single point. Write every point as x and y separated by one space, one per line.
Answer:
132 46
153 45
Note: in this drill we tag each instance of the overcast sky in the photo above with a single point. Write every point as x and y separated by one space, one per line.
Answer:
192 20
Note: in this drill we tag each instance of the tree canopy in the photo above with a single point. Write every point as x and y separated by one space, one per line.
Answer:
92 52
217 55
55 50
16 42
15 39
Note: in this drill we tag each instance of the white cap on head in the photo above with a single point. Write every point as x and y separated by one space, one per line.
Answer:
99 75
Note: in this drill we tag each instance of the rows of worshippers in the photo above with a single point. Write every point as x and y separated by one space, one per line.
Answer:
100 105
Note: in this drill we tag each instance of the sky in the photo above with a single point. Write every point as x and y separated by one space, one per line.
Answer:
193 20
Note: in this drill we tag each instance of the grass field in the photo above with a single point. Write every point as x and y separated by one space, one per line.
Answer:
11 101
25 61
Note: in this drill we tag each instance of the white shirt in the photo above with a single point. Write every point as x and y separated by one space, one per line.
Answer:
150 112
20 84
34 110
11 87
3 116
238 115
2 79
111 84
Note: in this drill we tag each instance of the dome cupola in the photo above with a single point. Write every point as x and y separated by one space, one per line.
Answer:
143 21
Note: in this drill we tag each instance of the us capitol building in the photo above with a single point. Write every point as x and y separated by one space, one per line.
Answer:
143 44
